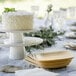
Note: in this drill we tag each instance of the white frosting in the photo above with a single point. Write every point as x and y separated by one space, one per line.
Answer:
19 20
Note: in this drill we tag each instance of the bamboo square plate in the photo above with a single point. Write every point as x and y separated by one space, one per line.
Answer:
51 59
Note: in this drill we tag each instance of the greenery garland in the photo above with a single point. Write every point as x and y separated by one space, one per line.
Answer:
47 34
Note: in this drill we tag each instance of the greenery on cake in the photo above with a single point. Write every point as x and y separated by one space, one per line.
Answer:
9 10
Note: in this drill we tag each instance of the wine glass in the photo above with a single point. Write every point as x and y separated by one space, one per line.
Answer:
58 20
71 12
35 10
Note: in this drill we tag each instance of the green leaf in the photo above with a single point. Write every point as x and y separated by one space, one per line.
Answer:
48 36
9 10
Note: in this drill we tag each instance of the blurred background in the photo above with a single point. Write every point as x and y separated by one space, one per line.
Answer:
40 5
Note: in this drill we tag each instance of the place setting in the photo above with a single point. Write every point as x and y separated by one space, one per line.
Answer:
71 36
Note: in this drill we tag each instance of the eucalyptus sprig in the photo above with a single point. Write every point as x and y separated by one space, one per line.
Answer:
47 34
9 10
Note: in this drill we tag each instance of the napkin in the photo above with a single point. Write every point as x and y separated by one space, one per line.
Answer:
35 72
71 45
70 34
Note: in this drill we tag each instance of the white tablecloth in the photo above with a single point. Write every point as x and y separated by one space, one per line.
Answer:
68 71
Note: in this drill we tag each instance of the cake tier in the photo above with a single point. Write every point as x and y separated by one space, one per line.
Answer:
19 20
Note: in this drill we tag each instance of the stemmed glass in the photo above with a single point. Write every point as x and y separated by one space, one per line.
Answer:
58 20
35 10
71 12
48 21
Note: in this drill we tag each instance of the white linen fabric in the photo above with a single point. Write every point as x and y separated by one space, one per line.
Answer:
35 72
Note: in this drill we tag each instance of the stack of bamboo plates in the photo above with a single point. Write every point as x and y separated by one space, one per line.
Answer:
57 59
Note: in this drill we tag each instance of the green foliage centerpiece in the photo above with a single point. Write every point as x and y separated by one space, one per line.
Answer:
48 36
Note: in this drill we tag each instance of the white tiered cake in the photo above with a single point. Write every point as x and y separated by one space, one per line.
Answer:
19 20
